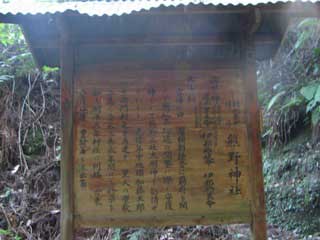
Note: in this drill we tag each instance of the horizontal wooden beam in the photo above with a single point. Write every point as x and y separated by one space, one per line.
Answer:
159 41
228 63
8 19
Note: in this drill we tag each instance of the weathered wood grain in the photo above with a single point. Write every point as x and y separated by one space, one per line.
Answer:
149 92
258 212
67 123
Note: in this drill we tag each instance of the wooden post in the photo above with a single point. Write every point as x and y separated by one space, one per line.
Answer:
67 74
258 213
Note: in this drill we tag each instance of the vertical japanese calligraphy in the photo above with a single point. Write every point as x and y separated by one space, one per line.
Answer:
167 156
153 149
96 144
139 161
111 161
160 146
83 140
124 116
182 162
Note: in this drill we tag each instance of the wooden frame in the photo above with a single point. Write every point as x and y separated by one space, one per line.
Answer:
258 213
256 192
67 74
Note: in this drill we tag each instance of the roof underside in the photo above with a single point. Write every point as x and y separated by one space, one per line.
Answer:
124 31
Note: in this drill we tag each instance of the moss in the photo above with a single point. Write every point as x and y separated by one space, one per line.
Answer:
292 186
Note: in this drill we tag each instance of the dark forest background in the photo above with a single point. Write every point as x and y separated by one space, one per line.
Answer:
289 94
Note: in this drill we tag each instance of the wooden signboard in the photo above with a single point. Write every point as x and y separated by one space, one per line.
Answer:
162 146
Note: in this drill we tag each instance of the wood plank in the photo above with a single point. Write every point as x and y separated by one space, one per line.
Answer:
66 165
98 170
136 66
221 39
258 212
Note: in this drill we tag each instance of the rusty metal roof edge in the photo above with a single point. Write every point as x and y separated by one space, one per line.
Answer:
110 8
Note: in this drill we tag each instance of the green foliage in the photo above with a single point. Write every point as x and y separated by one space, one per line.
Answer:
289 90
46 69
274 99
34 144
8 233
315 117
10 35
15 57
4 232
7 193
4 78
308 22
311 93
30 141
302 40
137 235
116 234
306 27
291 102
50 72
292 186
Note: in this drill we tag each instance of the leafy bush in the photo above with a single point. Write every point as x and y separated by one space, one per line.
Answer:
311 94
289 86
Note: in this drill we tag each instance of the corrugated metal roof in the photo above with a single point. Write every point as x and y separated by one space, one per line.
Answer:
109 8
